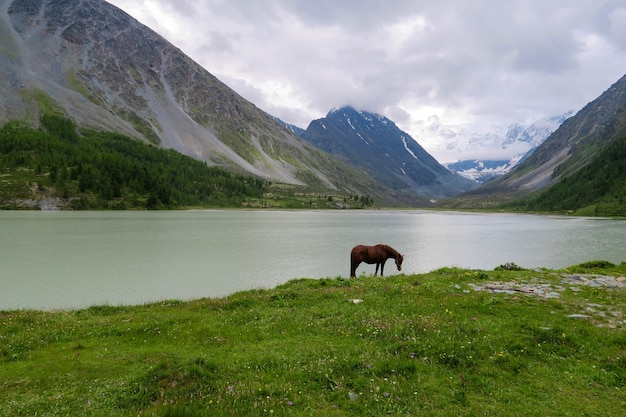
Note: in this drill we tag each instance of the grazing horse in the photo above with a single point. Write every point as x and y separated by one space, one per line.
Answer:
374 255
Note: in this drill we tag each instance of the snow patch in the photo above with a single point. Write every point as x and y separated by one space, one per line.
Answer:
407 147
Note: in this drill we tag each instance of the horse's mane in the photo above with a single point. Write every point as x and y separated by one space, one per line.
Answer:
390 249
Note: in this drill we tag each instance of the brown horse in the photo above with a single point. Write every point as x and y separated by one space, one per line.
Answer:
374 255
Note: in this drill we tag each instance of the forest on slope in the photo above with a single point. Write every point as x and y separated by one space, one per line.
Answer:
597 189
103 170
59 166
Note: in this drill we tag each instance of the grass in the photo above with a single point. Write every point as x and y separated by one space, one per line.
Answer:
403 345
45 103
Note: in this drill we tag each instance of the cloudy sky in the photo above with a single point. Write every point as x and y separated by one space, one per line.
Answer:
418 62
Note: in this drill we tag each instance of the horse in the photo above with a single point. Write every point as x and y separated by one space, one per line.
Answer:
377 254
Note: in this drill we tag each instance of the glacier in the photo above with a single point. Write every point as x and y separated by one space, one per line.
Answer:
483 153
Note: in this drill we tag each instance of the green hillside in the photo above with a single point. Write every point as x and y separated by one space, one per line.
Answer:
107 170
598 189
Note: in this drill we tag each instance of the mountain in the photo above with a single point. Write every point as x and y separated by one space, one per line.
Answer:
479 170
375 144
579 141
596 189
452 143
90 61
488 153
292 128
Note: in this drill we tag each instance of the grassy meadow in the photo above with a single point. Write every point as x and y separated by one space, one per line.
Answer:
404 345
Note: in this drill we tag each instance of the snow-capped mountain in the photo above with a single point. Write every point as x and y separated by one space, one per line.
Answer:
375 144
483 154
581 159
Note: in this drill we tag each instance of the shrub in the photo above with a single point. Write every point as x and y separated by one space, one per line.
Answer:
509 266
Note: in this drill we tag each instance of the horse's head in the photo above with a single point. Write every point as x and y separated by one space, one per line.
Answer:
399 260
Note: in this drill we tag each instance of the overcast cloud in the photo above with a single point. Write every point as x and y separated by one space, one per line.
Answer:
483 62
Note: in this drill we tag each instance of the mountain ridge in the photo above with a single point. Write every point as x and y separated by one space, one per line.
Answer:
572 146
374 143
91 61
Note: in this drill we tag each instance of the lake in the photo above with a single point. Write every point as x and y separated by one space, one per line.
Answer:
51 260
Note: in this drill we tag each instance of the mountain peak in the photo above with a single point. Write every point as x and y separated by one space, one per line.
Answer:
342 111
374 143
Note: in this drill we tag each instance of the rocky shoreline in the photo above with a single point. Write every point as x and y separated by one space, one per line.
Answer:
602 315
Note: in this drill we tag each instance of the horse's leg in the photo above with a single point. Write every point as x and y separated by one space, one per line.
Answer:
353 266
376 272
382 266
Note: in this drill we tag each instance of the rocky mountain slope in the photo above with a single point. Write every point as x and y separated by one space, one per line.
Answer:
94 63
572 146
375 144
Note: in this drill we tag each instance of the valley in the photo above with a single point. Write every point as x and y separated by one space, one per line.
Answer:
91 63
